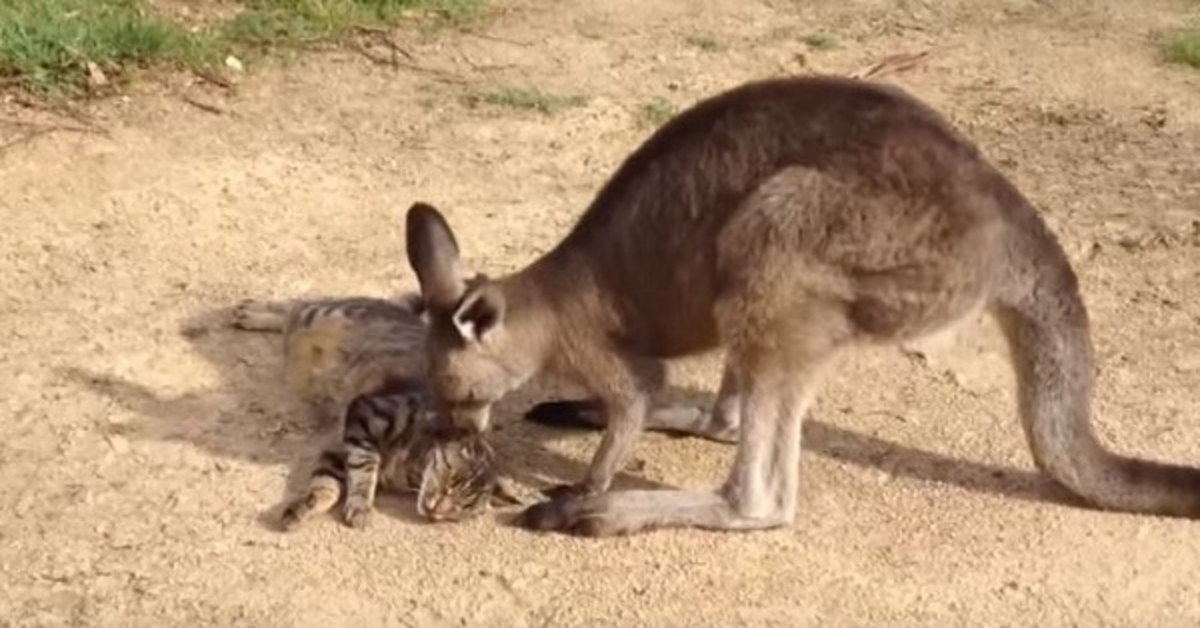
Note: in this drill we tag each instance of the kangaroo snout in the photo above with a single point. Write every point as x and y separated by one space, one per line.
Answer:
474 419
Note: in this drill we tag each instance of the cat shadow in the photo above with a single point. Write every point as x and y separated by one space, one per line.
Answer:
250 416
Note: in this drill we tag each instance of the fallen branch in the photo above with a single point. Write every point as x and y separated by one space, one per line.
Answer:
383 36
480 67
56 107
203 106
497 38
213 78
891 64
37 131
48 127
23 139
441 75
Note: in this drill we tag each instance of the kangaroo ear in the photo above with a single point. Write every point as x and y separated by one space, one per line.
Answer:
433 256
481 312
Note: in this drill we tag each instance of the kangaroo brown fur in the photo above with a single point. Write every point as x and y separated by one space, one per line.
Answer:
786 221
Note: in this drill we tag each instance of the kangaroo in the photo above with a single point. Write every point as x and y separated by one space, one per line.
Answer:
786 221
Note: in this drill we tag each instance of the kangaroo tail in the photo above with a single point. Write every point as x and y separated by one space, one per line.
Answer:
1047 328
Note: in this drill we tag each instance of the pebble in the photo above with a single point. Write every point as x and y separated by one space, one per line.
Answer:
24 503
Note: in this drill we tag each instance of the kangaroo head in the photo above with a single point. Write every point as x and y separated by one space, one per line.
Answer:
474 358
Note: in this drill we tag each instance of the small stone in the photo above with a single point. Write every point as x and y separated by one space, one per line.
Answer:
233 63
23 505
1087 251
96 77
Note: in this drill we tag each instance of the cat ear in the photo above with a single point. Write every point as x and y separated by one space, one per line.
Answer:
480 314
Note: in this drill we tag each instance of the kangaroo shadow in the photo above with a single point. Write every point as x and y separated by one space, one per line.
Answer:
250 416
909 462
899 460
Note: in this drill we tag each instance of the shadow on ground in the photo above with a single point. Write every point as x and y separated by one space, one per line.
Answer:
250 417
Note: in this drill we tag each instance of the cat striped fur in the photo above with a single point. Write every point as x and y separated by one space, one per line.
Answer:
360 361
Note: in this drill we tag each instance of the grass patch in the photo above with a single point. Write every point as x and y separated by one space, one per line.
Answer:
46 45
706 43
524 99
1182 47
299 22
656 112
820 41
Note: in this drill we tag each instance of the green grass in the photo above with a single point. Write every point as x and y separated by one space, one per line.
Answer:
706 43
46 44
656 112
524 99
820 41
1182 47
291 22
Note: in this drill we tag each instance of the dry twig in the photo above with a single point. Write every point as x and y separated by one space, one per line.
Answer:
214 78
203 106
384 37
441 75
31 130
497 38
59 107
891 64
37 130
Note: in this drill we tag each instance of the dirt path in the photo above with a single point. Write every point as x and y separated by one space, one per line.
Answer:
141 443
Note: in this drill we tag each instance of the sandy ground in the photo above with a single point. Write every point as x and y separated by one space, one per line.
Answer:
142 445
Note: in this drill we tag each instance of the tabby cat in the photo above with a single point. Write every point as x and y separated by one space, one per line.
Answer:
361 361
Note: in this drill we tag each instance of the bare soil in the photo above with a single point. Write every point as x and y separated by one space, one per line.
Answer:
145 448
